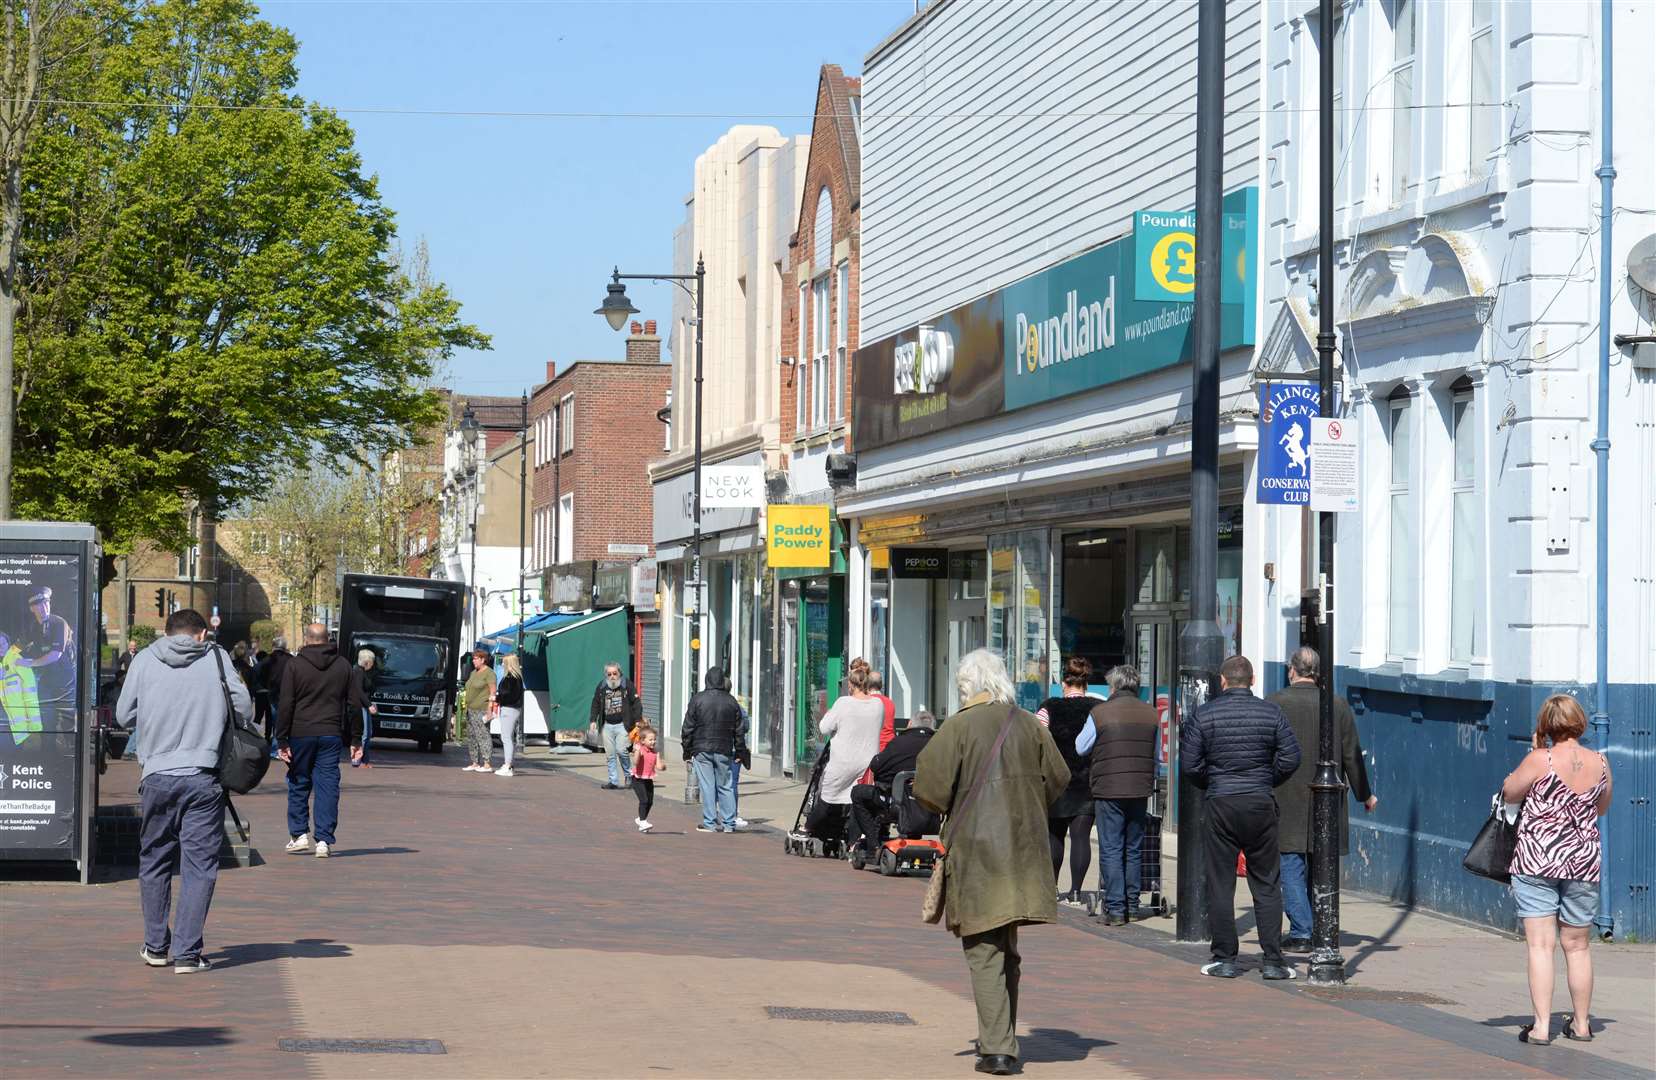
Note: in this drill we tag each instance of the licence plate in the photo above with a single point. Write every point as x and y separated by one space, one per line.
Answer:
396 725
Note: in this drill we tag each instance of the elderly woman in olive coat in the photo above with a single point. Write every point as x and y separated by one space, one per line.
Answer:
998 870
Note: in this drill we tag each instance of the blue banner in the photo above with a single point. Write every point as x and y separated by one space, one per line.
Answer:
1285 412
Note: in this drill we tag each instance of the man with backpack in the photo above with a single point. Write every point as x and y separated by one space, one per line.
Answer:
174 695
319 713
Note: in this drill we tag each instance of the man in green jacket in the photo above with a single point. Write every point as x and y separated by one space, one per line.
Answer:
993 771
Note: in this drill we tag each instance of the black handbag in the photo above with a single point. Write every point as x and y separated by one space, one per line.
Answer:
1490 855
244 756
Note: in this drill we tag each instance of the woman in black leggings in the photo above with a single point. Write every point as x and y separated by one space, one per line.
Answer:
1072 814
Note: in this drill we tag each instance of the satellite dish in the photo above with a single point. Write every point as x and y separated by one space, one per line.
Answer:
1641 264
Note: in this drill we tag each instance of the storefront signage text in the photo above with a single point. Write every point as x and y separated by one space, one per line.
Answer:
921 563
798 536
733 486
1285 413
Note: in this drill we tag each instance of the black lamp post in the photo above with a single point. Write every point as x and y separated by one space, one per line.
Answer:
469 427
617 309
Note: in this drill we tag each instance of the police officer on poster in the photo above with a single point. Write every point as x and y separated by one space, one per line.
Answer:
49 648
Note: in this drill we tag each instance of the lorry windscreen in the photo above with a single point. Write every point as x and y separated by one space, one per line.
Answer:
405 658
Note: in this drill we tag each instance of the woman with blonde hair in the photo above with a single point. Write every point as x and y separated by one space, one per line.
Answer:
509 707
1555 868
365 678
853 724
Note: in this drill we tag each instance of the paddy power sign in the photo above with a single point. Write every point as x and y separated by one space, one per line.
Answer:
798 537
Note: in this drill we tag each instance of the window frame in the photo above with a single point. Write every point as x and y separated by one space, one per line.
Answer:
566 413
802 364
842 337
566 521
1481 151
1402 640
1463 424
822 384
1402 13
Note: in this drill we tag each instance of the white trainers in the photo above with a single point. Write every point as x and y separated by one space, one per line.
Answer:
321 849
645 826
741 823
505 770
299 844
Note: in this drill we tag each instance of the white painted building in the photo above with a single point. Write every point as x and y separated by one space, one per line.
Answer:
1468 267
478 510
742 208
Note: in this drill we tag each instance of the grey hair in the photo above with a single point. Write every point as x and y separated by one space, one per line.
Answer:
1305 662
616 666
366 654
923 718
984 672
1123 677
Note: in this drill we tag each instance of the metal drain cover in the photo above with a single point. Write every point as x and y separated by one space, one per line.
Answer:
837 1016
361 1046
1363 993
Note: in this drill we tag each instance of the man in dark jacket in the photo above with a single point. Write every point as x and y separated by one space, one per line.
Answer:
268 678
871 803
1121 736
1238 747
712 724
616 710
321 714
1300 704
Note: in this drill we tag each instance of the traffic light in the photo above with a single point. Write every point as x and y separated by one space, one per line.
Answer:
161 602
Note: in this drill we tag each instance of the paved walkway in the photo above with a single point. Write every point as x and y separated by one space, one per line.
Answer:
531 929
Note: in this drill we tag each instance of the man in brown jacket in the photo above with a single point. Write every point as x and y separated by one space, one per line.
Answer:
993 770
1121 735
1300 704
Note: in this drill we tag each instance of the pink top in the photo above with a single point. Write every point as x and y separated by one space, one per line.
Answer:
646 767
1558 835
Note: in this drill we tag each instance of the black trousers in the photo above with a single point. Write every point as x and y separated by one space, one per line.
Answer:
645 790
870 809
1079 831
1246 824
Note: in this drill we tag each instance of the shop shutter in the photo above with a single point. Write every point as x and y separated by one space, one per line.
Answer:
650 692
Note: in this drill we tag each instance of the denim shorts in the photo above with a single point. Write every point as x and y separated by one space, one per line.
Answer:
1574 902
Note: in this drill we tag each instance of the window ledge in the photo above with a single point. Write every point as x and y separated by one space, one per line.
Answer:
1392 679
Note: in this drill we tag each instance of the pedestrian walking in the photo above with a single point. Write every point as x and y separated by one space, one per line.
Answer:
1300 703
1565 788
241 657
646 764
740 759
1118 743
1238 748
366 677
888 729
993 771
1071 817
712 726
321 715
509 707
173 700
616 708
853 724
269 676
478 696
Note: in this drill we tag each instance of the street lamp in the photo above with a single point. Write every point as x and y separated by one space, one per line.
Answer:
617 309
470 426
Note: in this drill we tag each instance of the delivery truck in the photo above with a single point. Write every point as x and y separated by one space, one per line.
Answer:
413 626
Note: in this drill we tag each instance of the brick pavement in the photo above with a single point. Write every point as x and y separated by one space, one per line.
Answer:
527 924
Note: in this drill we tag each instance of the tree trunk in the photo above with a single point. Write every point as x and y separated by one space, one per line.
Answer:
10 227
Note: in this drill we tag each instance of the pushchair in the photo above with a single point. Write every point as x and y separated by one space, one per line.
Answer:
799 841
909 849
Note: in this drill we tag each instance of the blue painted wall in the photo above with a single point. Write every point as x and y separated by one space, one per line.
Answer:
1439 748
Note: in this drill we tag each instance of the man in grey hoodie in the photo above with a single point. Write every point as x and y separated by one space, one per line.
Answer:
173 701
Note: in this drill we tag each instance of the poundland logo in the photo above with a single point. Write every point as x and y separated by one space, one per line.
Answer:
1081 329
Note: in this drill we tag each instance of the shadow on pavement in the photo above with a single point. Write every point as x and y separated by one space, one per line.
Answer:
258 952
166 1037
1058 1044
354 852
1595 1024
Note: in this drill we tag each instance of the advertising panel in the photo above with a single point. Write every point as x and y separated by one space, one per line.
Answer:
933 377
798 536
920 563
1285 414
733 486
40 607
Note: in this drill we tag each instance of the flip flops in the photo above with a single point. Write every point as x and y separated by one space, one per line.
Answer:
1524 1036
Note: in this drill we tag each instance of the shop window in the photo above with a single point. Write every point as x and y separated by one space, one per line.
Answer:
1093 620
1403 568
1020 589
1466 538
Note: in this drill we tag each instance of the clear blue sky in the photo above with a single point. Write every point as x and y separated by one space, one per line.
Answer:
524 217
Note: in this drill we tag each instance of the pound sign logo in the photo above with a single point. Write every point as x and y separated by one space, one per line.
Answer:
1173 263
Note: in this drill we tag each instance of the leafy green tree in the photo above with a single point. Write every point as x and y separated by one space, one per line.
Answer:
210 291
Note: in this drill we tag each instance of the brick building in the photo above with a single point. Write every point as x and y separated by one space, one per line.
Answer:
593 431
415 477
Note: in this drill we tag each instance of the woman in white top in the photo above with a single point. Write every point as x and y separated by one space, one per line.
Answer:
853 724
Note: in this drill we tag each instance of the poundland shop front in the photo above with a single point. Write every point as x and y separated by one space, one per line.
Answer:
1023 472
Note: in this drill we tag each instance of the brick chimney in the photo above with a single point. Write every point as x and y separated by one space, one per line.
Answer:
643 346
551 370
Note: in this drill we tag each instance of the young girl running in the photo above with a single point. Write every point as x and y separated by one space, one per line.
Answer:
645 764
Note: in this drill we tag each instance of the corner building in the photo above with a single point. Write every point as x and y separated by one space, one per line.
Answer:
1022 391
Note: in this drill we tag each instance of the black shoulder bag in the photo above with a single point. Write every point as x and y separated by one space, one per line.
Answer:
1490 854
244 756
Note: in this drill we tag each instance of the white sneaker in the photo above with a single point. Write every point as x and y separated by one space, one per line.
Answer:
505 770
321 849
645 826
741 823
299 844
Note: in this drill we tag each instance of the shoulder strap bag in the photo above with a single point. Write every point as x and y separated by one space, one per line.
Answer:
244 756
931 909
1491 852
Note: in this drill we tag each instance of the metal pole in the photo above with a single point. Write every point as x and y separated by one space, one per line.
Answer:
1605 920
695 481
1201 644
523 517
1327 965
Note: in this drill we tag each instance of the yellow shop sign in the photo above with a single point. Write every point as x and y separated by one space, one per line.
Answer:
798 536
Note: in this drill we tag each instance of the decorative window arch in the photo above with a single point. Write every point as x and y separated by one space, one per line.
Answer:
822 232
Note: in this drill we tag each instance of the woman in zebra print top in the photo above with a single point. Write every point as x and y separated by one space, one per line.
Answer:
1555 868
